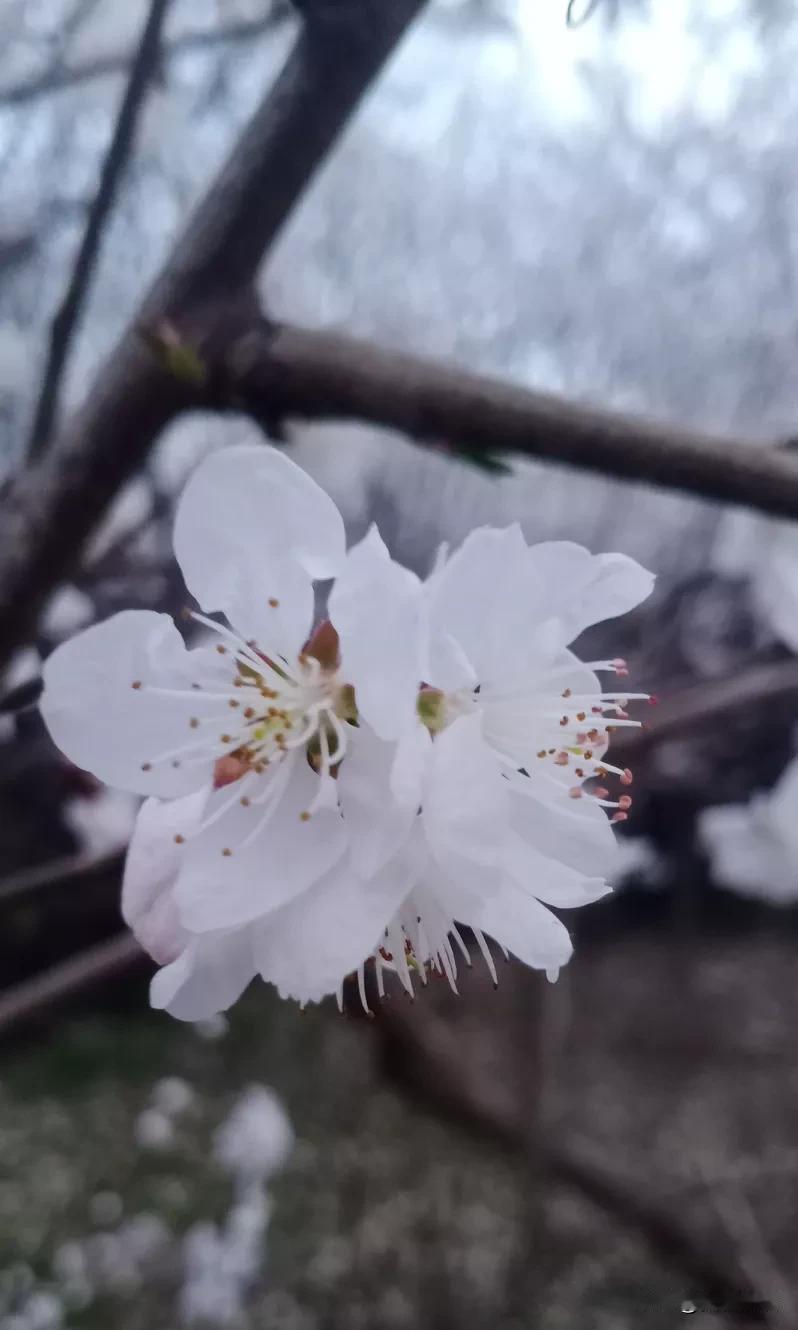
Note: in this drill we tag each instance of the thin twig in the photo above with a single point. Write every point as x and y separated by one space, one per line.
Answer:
30 999
67 319
64 76
57 871
702 705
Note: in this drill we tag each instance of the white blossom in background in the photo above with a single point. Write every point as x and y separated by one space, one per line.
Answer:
221 1263
753 847
331 797
102 821
764 551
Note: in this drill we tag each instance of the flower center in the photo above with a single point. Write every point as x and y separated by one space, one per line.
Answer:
263 709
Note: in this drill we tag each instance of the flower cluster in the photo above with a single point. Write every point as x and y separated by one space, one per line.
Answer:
323 800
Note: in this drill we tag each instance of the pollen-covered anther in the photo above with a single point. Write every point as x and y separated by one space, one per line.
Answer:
273 602
580 715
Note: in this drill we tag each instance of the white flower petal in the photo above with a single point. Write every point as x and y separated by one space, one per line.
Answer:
207 977
272 606
575 831
588 588
490 600
525 927
411 755
465 806
376 821
111 728
252 507
375 606
549 880
307 948
270 861
153 859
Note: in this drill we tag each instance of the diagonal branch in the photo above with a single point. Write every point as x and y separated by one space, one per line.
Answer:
49 511
67 319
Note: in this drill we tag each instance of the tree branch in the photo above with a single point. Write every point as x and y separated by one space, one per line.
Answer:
67 319
49 511
431 1065
62 77
330 376
31 998
695 708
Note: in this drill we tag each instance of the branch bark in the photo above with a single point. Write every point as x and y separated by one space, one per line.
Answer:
321 375
49 511
67 319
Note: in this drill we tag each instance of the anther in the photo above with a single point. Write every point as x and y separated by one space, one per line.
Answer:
625 801
273 602
179 840
146 766
575 792
222 650
626 777
580 715
245 802
227 852
136 684
249 713
564 721
619 817
566 692
225 739
194 722
233 703
304 817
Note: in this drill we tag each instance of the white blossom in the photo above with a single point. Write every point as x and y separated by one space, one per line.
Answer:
753 847
322 800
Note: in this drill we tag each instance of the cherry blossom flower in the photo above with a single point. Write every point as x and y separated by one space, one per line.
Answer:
331 801
231 725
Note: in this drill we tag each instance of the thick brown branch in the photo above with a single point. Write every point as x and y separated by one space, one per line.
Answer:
49 511
67 319
321 375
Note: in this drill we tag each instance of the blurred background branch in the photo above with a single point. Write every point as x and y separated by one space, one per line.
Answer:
67 319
